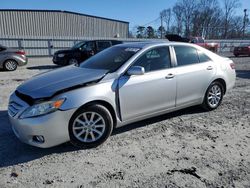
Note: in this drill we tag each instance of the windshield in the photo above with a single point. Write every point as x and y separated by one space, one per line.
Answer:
110 59
78 45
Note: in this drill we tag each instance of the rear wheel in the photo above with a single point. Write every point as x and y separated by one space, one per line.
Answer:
213 96
10 65
90 127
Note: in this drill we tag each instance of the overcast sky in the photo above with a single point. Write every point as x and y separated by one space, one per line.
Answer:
137 12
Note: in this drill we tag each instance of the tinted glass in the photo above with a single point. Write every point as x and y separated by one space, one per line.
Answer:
101 45
186 55
78 45
203 57
110 59
155 59
201 40
88 46
2 48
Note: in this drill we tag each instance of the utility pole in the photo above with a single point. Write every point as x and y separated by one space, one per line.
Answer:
244 22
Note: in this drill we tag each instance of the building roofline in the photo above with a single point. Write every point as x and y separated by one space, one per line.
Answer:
62 11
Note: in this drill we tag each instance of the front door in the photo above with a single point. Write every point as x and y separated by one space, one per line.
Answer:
149 93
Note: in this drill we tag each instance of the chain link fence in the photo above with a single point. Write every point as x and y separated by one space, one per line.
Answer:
46 46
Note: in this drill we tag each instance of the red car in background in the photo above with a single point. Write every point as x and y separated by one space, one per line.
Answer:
243 49
195 40
201 42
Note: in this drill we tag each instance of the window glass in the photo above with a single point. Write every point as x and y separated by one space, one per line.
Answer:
110 59
203 57
186 55
2 48
101 45
201 40
88 46
78 45
155 59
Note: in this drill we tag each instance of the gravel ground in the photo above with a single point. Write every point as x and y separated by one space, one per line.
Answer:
187 148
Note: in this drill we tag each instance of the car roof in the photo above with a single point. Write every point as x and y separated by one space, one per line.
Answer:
152 43
132 44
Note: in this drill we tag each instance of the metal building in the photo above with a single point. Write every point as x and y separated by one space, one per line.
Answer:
58 24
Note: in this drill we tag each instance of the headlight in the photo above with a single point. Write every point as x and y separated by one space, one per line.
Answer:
42 108
61 55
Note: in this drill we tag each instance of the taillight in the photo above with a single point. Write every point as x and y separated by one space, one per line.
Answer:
20 52
232 65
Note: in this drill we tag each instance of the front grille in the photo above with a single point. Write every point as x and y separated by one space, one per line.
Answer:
14 108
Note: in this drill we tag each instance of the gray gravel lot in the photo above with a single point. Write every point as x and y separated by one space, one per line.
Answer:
187 148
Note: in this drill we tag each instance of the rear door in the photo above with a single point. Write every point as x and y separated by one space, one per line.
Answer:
194 72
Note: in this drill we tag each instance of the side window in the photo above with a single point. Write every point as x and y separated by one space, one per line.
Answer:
186 55
203 57
101 45
88 46
155 59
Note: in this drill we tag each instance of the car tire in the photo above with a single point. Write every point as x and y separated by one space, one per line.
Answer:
236 55
89 127
213 96
10 65
72 61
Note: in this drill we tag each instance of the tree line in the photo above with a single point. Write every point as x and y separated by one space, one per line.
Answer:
207 18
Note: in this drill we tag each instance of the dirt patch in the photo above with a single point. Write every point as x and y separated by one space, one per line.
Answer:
188 148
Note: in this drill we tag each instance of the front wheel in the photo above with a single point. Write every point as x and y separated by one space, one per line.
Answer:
72 61
90 127
213 96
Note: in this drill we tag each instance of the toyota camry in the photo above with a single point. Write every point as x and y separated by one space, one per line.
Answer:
120 85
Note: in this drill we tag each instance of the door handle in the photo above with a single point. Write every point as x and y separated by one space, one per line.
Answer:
209 68
169 76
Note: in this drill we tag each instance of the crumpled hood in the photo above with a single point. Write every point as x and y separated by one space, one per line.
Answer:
47 84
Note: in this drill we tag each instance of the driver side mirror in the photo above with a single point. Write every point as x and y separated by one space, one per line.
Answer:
136 70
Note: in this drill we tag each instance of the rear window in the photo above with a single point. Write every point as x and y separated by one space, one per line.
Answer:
186 55
101 45
110 59
203 57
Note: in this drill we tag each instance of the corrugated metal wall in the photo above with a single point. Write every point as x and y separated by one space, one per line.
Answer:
44 24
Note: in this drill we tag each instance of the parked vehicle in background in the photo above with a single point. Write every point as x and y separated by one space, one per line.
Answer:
201 42
176 38
82 51
195 40
11 58
120 85
243 49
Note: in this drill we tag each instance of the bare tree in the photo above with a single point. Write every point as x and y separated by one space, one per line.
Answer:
203 17
178 15
188 8
166 16
229 8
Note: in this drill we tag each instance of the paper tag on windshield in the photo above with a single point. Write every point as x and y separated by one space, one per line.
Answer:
132 49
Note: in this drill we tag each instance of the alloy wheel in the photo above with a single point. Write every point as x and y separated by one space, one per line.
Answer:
89 127
214 96
10 65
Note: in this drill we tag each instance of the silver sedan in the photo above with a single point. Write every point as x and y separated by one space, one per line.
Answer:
120 85
11 58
